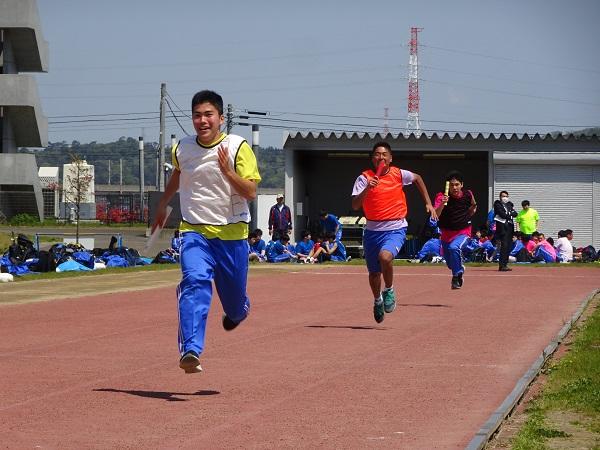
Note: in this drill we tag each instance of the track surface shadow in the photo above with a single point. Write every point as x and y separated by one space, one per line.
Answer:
168 396
349 327
428 305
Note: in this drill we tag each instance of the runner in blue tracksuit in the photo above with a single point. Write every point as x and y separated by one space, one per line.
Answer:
216 175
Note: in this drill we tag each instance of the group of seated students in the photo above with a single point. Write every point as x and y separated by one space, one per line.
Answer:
326 247
480 248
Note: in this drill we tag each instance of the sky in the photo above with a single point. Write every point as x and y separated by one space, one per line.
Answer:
508 66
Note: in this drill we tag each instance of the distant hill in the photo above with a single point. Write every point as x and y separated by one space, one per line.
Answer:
270 160
584 132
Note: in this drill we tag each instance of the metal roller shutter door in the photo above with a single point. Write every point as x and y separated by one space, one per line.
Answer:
562 195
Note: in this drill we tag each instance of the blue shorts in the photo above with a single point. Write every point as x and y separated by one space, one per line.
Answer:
376 241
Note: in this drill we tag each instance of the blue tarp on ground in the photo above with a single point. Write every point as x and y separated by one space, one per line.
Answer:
71 265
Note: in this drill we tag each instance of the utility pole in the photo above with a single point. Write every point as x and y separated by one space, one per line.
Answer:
229 117
109 172
161 140
121 176
141 146
255 138
412 121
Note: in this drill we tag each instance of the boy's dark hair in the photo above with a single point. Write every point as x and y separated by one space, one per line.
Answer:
561 233
535 234
330 235
259 232
305 233
322 213
208 96
454 175
252 235
284 237
381 144
503 192
524 203
550 241
568 231
518 234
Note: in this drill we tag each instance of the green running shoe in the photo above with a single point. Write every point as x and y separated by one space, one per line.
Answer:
378 311
389 300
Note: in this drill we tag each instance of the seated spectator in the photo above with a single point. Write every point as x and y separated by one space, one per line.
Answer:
330 224
431 249
472 248
564 248
257 246
543 251
488 246
252 254
304 247
176 241
317 252
517 251
335 249
176 245
280 250
531 242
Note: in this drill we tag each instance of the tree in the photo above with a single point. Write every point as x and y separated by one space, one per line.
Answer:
76 191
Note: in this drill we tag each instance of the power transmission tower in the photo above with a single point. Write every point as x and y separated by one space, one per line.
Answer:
412 121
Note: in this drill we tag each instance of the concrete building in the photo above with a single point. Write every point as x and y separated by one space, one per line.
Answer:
22 123
559 175
49 178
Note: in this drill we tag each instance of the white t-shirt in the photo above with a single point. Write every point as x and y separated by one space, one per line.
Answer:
361 183
564 249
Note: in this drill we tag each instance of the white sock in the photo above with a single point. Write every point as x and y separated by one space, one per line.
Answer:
388 289
379 299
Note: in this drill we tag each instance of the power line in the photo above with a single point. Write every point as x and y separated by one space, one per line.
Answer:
503 58
175 117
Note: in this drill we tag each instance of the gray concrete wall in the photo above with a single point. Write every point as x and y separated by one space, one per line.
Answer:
20 171
21 106
21 22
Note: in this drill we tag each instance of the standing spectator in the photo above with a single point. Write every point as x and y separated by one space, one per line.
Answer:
504 216
490 223
455 211
564 248
384 204
216 175
527 219
330 224
280 218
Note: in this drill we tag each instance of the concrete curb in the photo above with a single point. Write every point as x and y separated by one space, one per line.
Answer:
484 434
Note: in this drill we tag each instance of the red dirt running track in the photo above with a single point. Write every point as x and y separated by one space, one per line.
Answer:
310 367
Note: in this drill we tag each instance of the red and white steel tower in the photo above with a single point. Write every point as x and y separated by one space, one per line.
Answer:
412 121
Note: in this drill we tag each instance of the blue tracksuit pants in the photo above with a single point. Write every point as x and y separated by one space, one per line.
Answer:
202 261
453 253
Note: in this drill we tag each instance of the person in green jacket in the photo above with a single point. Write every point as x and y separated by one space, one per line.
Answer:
527 219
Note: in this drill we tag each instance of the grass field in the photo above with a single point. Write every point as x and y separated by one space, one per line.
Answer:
566 412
